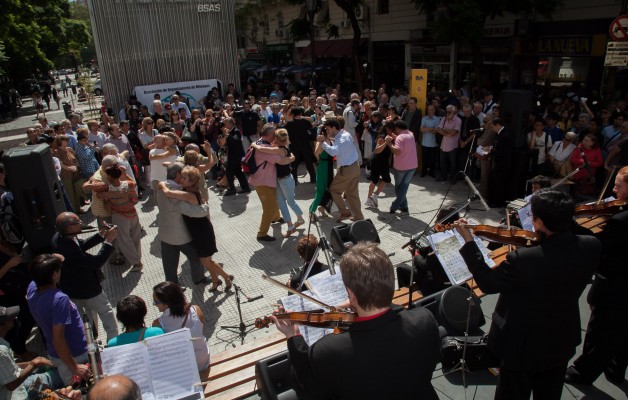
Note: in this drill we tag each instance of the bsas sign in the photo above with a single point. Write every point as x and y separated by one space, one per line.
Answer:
212 7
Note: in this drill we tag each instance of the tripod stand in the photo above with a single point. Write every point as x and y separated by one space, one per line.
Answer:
462 364
241 327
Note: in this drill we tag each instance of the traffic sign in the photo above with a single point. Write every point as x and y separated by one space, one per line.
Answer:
616 54
619 28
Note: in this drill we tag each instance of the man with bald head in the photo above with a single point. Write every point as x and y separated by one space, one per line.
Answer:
81 271
115 387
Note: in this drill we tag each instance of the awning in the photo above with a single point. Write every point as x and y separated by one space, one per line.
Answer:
332 48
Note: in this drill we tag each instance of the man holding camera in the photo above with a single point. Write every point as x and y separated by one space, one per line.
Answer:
82 272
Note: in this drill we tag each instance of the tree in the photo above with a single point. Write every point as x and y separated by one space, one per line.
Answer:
3 59
462 21
37 31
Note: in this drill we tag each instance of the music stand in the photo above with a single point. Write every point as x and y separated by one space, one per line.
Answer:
241 327
462 364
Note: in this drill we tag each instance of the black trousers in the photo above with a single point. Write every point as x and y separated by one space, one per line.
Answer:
518 385
602 343
448 164
235 171
429 155
303 153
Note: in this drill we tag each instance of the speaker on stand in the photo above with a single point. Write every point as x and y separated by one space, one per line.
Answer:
37 194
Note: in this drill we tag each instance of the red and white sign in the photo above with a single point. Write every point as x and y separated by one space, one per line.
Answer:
619 28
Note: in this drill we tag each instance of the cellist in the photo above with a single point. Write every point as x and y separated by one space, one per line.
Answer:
536 322
603 350
386 353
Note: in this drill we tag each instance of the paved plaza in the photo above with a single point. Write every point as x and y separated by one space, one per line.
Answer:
236 220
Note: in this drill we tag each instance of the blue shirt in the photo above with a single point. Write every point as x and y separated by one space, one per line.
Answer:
555 133
272 118
343 149
86 160
429 139
132 337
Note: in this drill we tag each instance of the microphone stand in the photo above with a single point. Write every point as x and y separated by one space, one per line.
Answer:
241 327
92 347
470 154
462 364
324 245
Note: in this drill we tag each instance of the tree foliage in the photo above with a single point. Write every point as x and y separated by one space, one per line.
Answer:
35 32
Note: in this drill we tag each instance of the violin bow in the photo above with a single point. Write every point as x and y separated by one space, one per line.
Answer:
291 290
608 180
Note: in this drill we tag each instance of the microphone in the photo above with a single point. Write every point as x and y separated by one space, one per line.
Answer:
477 130
475 191
586 162
255 298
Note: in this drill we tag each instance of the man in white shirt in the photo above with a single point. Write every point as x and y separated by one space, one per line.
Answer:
560 153
163 152
350 115
176 105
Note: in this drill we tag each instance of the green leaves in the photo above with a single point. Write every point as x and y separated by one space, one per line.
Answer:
35 32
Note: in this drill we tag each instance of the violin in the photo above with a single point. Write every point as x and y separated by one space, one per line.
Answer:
515 237
606 208
317 319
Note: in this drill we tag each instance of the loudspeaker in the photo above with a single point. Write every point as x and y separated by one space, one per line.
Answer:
36 192
514 108
343 236
274 379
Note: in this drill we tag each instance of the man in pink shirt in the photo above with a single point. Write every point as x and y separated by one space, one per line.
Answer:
449 129
265 182
405 162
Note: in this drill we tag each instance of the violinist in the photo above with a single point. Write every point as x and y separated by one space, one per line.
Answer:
385 353
608 299
536 322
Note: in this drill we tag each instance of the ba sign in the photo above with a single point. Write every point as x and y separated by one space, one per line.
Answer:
210 7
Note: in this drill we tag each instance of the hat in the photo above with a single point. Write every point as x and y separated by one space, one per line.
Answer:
570 136
263 100
328 114
8 313
273 94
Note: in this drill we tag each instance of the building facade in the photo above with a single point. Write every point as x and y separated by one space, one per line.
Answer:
518 52
144 42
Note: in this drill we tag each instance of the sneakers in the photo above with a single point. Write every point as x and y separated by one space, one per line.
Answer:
374 197
369 203
291 229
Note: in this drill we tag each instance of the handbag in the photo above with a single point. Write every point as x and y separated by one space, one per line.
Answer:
478 355
189 136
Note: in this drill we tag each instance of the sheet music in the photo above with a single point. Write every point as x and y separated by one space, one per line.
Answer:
329 289
525 217
173 365
130 360
447 246
164 366
480 150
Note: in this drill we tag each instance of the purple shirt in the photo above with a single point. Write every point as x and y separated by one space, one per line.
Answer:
53 307
407 158
266 174
450 143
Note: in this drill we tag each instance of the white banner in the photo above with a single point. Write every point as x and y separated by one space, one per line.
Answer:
193 91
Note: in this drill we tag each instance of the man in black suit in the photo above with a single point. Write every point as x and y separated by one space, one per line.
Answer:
385 354
500 164
603 350
234 159
81 273
536 322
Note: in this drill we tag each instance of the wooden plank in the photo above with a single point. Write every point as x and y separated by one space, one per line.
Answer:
230 381
247 348
246 360
246 389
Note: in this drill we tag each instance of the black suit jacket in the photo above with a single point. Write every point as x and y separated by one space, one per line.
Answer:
81 272
415 123
388 357
234 147
502 151
536 322
609 288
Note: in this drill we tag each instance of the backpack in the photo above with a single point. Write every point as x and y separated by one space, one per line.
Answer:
248 162
10 225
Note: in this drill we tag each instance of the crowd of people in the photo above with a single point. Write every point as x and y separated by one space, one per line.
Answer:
166 151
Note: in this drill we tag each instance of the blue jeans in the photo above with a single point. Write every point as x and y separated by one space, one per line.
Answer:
285 198
402 183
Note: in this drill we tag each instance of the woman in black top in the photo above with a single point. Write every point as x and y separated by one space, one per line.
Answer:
201 229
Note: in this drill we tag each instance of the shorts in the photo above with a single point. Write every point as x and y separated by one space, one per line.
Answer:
380 172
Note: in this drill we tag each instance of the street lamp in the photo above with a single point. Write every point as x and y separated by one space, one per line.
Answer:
311 9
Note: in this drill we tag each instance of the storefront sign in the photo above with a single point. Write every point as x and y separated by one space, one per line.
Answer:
619 28
418 87
616 54
565 45
495 31
279 48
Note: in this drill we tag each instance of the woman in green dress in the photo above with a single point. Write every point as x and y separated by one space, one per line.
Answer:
324 176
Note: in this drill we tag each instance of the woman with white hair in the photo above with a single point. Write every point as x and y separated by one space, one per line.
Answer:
111 149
